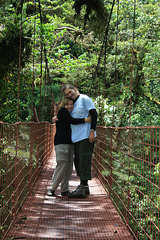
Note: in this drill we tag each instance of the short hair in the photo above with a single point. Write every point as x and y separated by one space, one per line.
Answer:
64 102
67 85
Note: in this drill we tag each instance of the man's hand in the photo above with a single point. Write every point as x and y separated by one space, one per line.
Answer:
92 137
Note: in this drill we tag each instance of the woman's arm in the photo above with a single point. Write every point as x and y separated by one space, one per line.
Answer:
65 116
88 119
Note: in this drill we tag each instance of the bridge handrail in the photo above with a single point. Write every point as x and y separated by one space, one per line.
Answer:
126 160
24 150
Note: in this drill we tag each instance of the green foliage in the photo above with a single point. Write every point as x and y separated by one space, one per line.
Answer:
71 55
23 153
116 85
104 110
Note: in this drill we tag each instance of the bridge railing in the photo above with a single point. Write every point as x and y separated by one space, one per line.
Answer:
127 162
24 150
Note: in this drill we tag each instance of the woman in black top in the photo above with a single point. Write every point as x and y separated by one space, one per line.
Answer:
64 148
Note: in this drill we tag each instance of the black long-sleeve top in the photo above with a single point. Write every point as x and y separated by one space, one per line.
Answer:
63 129
93 114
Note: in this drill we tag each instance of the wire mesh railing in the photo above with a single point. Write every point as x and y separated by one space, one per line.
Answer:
126 161
24 150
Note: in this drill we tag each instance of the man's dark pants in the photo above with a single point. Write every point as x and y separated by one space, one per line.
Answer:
83 157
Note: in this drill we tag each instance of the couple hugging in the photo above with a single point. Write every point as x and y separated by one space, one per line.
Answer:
74 141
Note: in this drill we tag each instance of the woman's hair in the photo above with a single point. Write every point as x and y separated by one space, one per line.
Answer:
64 102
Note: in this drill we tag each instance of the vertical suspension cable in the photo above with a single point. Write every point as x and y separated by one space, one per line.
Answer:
129 150
44 93
39 4
48 81
20 55
33 76
104 44
17 127
132 63
115 62
105 39
46 61
106 34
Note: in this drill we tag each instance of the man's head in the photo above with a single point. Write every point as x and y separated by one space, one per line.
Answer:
70 91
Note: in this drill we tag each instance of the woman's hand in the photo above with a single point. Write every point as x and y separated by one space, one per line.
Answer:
54 119
88 119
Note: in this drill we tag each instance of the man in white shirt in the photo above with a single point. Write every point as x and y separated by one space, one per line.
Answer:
83 137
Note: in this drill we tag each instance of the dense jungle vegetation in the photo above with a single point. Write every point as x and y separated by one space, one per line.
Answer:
44 44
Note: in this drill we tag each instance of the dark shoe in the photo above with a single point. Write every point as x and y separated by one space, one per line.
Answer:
87 192
78 193
65 193
50 192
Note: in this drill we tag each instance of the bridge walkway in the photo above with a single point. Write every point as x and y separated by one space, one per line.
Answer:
43 217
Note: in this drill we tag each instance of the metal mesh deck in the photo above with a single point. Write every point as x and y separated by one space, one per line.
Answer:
43 217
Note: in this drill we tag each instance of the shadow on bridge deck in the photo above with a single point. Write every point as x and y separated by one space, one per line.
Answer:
43 217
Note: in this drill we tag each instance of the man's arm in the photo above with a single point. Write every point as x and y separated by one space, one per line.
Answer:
93 114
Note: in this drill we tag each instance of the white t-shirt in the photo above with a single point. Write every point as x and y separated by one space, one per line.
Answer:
81 110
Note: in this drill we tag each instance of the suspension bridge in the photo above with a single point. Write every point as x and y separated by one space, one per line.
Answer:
125 188
124 202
